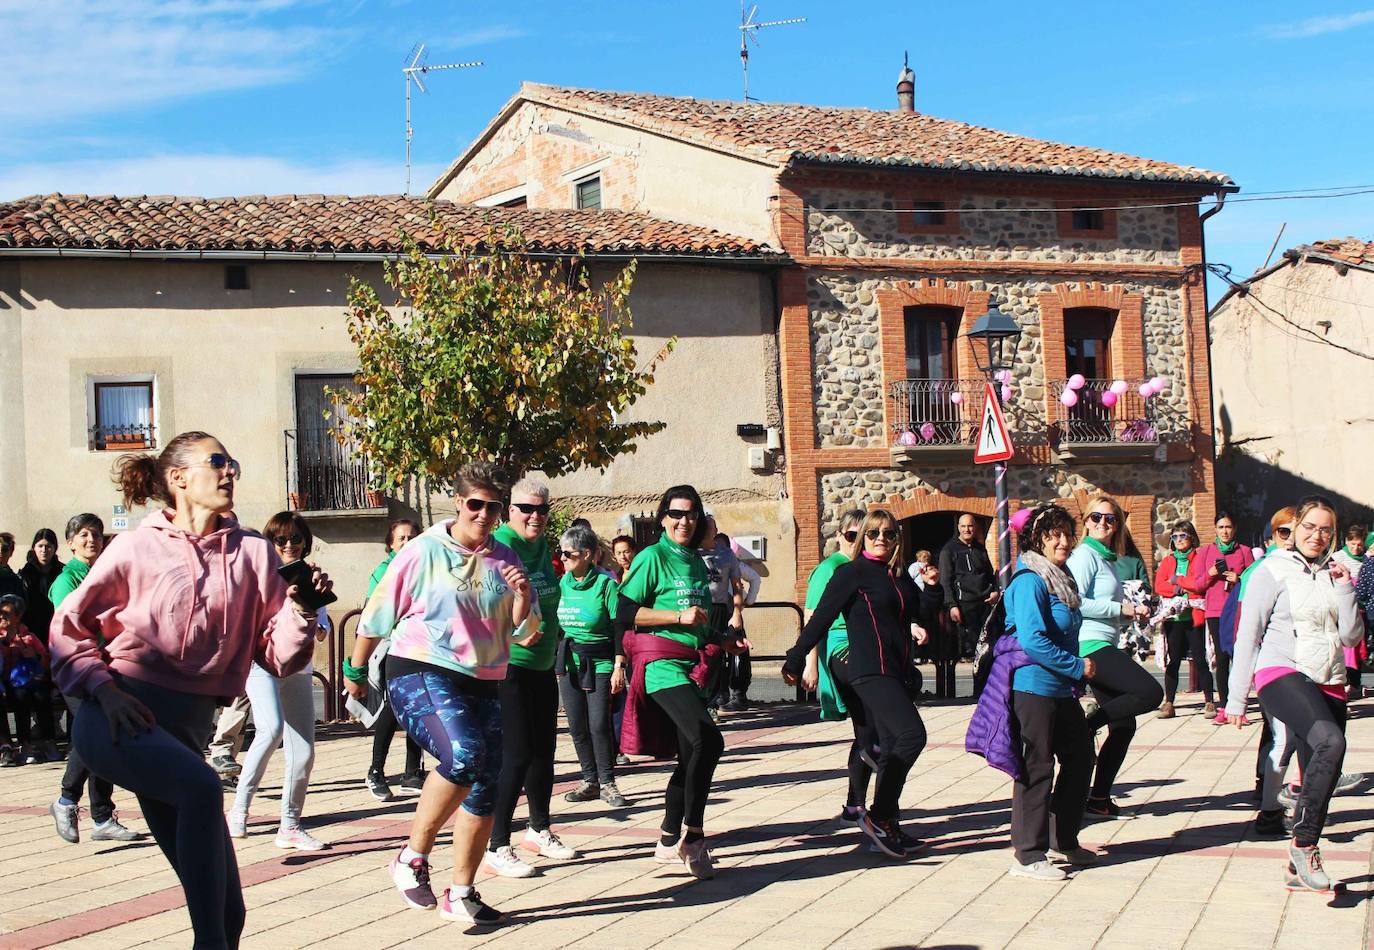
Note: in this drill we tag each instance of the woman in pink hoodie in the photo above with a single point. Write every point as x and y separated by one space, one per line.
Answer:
185 604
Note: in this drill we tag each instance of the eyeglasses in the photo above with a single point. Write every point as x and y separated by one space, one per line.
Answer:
677 514
1285 532
569 555
1182 536
887 534
282 540
475 505
220 462
526 508
1102 517
851 536
1313 529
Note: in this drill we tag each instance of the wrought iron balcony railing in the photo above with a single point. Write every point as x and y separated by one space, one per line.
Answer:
1129 419
936 411
324 475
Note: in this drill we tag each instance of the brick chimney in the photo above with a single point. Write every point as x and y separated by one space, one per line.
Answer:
906 88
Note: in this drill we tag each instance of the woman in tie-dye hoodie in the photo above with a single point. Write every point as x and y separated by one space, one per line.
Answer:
451 603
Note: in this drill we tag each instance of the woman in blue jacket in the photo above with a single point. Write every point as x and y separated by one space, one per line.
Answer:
1122 688
1042 610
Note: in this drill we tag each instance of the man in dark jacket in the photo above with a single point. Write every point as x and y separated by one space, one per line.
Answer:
10 582
969 583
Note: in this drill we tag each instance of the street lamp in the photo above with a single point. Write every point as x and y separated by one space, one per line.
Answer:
999 334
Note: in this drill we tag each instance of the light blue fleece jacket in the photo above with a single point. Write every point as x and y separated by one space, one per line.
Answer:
1100 589
1048 631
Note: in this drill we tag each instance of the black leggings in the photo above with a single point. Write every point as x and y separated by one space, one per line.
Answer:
529 725
1123 689
1223 660
1317 724
699 745
33 700
383 731
901 734
865 736
590 725
1184 639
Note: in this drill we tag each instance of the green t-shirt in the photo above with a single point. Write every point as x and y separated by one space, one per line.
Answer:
379 572
836 638
668 576
73 573
535 556
586 610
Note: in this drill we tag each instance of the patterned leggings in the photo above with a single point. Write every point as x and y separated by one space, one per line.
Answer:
461 731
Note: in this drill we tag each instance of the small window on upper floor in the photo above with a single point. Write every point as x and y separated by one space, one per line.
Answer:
1085 219
1089 222
921 215
588 192
236 277
122 414
929 216
522 202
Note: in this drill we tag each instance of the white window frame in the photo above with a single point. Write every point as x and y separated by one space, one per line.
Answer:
600 191
502 197
92 380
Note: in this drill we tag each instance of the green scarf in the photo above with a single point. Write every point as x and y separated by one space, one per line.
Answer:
1346 549
1107 553
1181 562
1226 548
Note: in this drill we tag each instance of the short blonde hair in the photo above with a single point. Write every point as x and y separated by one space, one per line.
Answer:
530 486
876 519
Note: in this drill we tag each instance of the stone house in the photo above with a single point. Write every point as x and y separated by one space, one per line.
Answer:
1306 319
126 320
900 230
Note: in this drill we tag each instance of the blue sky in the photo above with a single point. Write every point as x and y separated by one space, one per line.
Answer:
217 97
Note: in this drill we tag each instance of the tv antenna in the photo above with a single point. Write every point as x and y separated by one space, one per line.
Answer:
415 68
749 31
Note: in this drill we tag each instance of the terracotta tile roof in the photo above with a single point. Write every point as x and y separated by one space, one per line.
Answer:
1350 250
782 134
364 224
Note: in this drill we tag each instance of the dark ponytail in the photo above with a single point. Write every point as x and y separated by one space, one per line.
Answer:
143 478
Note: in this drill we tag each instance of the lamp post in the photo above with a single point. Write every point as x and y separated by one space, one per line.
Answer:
999 334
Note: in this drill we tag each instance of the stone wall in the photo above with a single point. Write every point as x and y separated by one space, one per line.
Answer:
849 396
1172 486
853 223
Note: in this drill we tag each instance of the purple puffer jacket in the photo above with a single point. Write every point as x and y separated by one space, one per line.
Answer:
992 732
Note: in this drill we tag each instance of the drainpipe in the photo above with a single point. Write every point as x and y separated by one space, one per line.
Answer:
1207 326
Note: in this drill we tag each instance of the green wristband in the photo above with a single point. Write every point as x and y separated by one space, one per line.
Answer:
354 674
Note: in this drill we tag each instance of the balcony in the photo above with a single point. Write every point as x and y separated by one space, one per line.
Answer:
929 425
121 438
327 478
1091 430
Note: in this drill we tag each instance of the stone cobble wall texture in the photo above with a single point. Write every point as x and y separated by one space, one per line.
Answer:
851 223
848 367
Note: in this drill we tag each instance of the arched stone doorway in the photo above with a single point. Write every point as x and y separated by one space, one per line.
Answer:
928 515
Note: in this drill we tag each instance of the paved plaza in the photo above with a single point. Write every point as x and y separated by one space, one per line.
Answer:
1187 871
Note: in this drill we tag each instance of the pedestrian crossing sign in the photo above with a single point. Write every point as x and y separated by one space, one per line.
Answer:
994 445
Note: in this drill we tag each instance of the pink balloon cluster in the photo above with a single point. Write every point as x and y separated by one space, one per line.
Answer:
1112 395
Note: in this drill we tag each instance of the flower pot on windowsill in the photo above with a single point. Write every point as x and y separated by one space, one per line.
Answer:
375 499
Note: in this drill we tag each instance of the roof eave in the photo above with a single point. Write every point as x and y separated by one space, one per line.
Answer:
751 260
509 109
1199 186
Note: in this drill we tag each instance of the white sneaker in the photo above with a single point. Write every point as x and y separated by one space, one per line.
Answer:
238 824
697 859
1040 870
548 844
505 862
298 839
1348 782
665 854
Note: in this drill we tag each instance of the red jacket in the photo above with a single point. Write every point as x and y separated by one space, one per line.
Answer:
1171 584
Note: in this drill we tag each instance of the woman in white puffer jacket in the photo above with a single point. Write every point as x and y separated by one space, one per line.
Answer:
1297 616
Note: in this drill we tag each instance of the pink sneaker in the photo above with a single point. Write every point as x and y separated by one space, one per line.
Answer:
1221 719
412 880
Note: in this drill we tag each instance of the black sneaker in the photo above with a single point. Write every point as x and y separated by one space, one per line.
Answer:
225 766
414 781
1104 809
585 792
1270 824
885 834
611 796
377 785
909 843
8 759
738 703
851 815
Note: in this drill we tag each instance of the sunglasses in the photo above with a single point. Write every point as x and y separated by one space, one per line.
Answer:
528 509
220 462
887 534
677 514
282 540
851 536
475 505
569 555
1102 517
1284 532
1181 536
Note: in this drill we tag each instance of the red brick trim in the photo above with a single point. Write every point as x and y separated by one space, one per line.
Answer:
1065 221
1128 332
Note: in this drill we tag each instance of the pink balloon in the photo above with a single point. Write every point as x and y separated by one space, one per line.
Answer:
927 430
1109 399
1119 387
907 438
1159 384
956 397
1069 398
1003 376
1018 520
1006 393
1076 381
1146 390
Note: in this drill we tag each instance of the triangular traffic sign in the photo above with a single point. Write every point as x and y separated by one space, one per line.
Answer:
994 445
